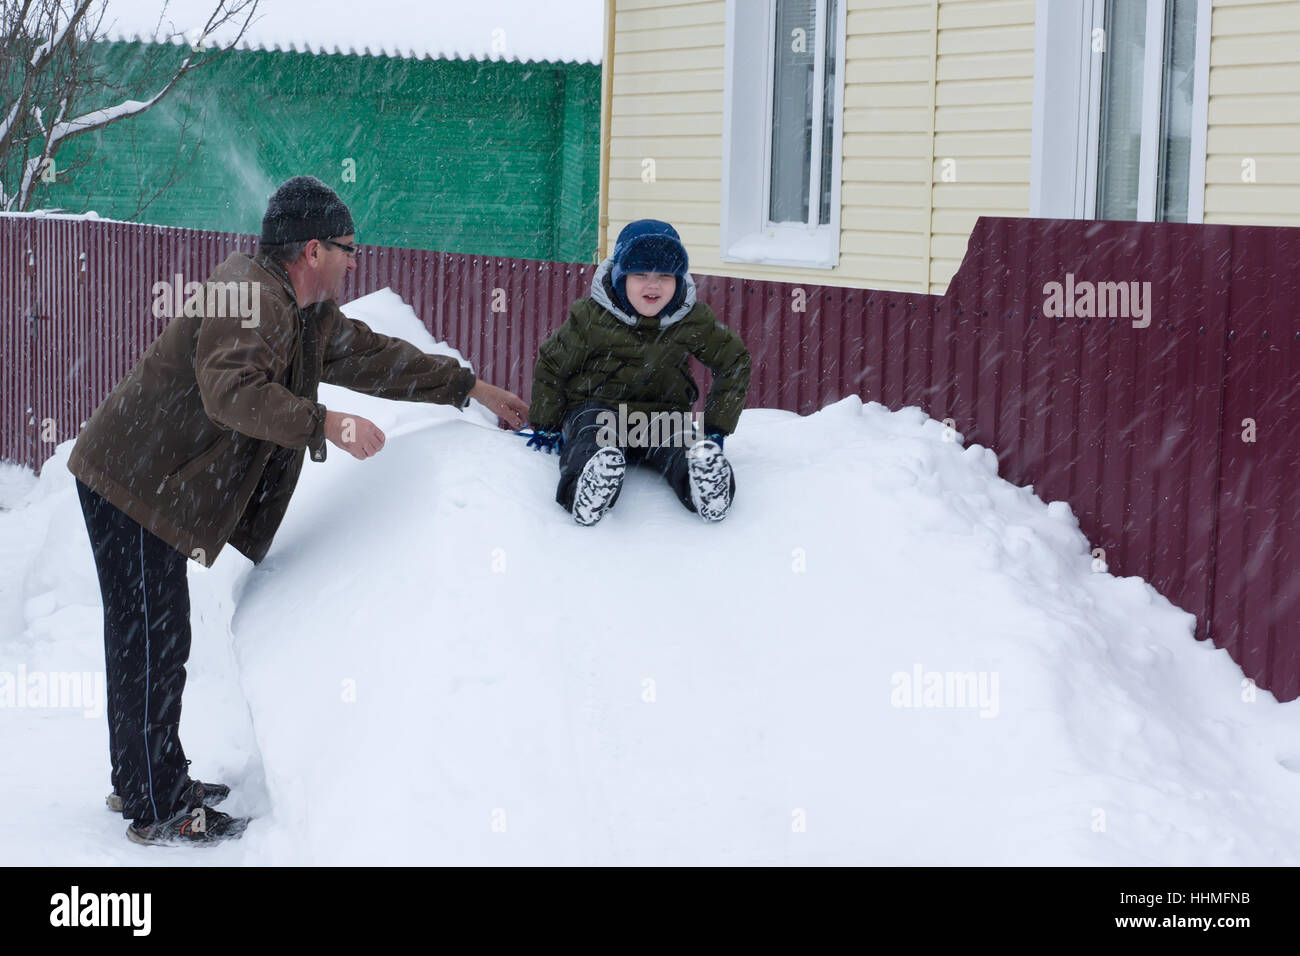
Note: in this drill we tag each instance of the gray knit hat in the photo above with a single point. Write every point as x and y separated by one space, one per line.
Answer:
305 208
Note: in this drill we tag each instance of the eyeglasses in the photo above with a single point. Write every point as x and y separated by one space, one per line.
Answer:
351 250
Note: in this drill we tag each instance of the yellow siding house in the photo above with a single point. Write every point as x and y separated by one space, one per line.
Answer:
854 142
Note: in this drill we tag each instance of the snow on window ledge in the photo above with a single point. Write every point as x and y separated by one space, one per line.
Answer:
786 244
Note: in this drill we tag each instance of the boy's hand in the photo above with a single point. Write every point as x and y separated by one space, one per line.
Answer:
509 407
359 437
545 441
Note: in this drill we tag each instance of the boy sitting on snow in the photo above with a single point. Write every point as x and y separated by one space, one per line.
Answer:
612 384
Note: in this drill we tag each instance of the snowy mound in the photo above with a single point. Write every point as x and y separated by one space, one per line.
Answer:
886 654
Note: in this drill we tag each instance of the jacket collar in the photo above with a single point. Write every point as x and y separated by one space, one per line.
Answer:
269 265
601 295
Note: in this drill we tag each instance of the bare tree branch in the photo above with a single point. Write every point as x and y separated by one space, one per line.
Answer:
37 163
47 67
42 57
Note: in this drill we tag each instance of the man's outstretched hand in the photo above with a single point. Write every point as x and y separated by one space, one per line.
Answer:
509 407
359 437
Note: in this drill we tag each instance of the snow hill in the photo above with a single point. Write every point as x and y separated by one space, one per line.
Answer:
885 655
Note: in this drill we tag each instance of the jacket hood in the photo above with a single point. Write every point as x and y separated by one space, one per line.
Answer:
601 295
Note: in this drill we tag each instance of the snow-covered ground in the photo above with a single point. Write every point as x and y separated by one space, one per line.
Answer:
435 665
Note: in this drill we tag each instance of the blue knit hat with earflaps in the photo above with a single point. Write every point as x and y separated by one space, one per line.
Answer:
648 245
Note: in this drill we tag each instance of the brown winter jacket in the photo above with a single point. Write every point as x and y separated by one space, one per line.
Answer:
203 441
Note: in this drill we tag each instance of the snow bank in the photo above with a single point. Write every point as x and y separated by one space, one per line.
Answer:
886 654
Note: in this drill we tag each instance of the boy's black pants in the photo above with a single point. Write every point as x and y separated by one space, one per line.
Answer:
582 428
146 644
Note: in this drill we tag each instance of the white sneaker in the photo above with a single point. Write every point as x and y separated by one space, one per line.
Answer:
599 482
710 478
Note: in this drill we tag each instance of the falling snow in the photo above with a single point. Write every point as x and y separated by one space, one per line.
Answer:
431 633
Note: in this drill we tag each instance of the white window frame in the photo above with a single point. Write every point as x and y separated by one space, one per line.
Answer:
746 234
1067 99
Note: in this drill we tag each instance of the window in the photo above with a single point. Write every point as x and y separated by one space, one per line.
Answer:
1120 94
802 101
781 132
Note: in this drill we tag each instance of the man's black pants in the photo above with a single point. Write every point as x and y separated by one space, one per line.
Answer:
582 427
146 644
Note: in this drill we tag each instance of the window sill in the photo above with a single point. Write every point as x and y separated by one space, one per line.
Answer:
786 245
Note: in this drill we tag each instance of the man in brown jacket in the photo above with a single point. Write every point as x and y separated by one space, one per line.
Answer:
201 444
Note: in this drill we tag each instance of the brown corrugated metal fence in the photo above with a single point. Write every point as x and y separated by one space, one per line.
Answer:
1172 442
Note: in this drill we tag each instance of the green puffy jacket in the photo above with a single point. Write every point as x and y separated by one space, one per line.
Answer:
603 354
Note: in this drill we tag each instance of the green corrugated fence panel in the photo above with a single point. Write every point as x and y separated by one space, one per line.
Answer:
478 157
